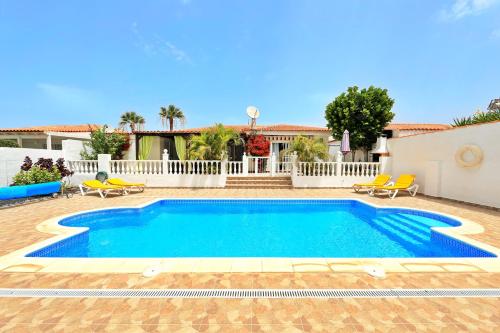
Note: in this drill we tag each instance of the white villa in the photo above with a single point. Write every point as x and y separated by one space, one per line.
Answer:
279 136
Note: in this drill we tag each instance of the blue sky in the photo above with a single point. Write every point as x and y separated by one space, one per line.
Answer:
70 62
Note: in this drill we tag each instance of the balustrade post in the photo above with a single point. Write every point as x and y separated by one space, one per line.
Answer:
273 164
293 159
385 164
245 165
338 164
104 163
165 161
223 167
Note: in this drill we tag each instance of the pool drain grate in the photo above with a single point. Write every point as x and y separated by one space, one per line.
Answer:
248 293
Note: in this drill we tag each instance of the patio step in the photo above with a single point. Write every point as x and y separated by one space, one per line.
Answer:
259 182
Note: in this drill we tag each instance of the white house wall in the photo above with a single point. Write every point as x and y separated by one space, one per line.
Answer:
431 157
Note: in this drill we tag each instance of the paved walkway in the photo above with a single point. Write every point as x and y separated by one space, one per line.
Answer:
17 230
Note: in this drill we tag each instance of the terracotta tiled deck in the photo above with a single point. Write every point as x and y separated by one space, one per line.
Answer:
17 230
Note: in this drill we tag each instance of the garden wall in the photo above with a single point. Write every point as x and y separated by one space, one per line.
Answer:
432 158
12 158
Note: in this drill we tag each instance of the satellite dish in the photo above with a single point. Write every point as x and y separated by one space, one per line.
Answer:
253 112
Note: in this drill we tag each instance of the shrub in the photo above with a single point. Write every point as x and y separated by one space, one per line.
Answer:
27 164
37 175
212 143
8 143
43 171
308 149
105 143
258 145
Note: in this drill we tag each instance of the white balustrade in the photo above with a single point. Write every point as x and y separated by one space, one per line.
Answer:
193 167
327 169
283 168
83 166
259 165
359 169
234 168
336 169
139 167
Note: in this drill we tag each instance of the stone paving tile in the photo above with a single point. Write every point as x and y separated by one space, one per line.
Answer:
18 229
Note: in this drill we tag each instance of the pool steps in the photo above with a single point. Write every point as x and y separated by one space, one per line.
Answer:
259 182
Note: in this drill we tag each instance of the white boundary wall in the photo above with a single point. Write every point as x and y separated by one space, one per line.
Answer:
11 159
432 158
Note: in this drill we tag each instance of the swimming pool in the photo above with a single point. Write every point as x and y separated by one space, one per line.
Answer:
326 228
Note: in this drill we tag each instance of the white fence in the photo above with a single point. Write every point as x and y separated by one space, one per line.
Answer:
234 168
191 173
154 173
333 174
259 166
193 167
83 166
132 167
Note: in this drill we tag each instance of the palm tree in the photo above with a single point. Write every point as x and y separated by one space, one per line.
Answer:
308 149
212 143
171 114
132 119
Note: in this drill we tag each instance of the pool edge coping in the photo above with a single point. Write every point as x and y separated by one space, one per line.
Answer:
17 261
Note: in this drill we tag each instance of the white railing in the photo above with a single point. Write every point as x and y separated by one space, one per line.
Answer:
327 169
140 167
192 167
83 166
359 169
259 165
283 168
338 169
234 168
333 174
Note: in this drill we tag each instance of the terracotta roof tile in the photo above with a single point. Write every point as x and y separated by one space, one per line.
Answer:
449 128
244 128
54 128
417 127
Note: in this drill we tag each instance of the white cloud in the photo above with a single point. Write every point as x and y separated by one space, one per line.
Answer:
462 8
158 46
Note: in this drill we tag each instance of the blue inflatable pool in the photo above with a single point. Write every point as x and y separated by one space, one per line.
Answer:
24 191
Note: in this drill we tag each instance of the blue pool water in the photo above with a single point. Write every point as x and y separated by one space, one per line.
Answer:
260 228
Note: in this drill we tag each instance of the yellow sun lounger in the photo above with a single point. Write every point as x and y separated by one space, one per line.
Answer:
380 180
120 182
103 189
404 182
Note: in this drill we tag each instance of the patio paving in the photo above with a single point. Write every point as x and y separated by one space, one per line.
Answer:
18 230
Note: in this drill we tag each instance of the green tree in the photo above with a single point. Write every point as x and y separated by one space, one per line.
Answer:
364 113
212 143
131 119
308 149
171 115
104 143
